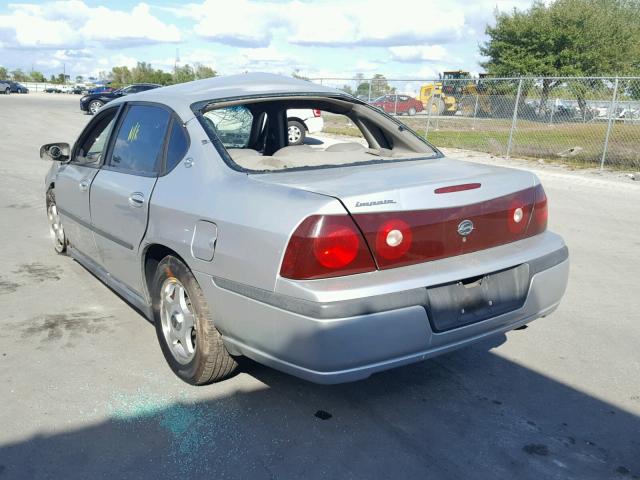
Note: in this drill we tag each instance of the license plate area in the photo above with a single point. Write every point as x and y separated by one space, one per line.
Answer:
476 299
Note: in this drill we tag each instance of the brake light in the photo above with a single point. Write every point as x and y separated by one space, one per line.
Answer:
457 188
316 112
326 246
540 212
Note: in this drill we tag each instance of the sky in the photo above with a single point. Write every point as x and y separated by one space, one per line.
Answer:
331 38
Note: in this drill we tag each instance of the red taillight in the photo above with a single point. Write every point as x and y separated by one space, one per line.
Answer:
326 246
316 112
446 232
540 212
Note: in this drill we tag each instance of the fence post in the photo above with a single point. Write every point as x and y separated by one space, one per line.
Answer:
369 90
395 105
610 123
475 111
430 106
515 119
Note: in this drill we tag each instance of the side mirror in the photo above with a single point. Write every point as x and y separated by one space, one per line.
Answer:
57 152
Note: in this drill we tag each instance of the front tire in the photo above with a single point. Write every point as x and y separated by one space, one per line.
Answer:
412 111
7 91
190 342
296 132
55 225
94 106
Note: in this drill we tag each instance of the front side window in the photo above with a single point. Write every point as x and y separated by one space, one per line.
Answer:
94 144
231 124
139 142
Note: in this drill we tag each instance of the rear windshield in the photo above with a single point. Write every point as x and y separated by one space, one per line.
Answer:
291 133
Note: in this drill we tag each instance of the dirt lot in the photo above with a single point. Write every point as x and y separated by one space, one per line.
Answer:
86 392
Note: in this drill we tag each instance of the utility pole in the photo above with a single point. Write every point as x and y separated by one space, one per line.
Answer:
175 65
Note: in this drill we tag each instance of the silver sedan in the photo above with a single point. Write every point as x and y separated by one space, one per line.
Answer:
331 260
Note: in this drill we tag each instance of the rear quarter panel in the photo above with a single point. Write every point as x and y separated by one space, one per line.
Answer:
254 220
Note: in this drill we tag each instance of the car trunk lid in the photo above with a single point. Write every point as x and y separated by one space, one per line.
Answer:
415 211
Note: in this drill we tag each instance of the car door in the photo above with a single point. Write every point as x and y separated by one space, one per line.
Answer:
403 103
73 181
121 190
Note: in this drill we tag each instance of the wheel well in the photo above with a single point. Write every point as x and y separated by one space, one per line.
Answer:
152 257
298 120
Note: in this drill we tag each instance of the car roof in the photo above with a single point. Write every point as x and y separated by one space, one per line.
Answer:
181 96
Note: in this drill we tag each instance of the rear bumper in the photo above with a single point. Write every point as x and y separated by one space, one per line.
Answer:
333 342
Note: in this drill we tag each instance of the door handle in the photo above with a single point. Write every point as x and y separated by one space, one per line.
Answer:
136 199
83 186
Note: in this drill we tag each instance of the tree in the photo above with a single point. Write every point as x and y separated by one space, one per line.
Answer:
183 74
203 71
380 86
565 38
19 76
3 72
37 76
120 75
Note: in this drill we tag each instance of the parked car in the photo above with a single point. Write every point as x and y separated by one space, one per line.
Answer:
14 87
398 104
5 87
79 90
302 121
95 101
53 89
327 263
101 89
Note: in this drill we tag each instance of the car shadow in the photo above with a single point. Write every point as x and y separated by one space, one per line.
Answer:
467 414
313 141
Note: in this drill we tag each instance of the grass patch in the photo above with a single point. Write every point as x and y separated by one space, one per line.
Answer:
530 140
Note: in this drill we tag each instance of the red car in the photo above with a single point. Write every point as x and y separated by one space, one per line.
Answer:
398 104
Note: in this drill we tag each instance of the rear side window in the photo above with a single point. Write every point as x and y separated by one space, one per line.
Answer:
232 124
138 145
178 144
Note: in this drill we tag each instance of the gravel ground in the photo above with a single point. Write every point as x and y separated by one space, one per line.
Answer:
86 392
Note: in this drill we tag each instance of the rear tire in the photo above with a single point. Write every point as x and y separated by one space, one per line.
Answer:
437 106
296 132
94 106
190 342
7 91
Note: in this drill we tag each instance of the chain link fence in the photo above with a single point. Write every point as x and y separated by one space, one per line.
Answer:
590 121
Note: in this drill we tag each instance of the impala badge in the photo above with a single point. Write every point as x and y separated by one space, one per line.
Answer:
465 227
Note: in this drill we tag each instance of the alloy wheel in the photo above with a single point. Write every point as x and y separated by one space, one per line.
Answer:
178 320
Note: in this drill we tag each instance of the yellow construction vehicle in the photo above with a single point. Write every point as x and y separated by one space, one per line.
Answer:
431 97
444 97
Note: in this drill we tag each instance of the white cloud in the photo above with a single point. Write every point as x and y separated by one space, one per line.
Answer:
73 24
332 23
415 54
335 38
